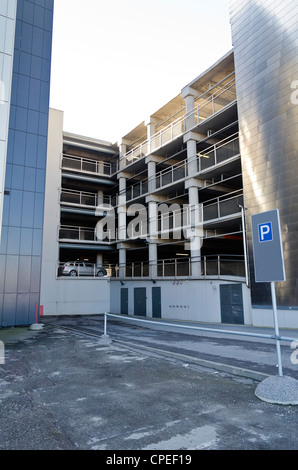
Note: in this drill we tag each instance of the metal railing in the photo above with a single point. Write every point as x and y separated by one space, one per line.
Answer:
223 206
83 234
206 108
219 152
82 198
204 267
84 165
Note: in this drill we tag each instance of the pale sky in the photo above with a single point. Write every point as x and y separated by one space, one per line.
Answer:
116 62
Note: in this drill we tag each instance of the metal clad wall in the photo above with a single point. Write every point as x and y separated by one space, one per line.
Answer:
265 37
21 242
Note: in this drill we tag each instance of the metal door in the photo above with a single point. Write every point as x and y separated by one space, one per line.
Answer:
156 302
140 301
231 303
124 301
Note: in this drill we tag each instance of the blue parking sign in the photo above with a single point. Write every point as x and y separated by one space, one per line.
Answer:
267 247
265 232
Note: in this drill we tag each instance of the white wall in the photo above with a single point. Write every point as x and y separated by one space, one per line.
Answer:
77 297
191 300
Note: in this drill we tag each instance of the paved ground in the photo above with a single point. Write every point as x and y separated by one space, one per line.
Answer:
61 388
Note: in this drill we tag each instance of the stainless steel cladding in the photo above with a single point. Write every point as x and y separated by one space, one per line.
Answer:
265 38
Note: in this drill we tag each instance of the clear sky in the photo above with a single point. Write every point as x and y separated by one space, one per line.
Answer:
115 62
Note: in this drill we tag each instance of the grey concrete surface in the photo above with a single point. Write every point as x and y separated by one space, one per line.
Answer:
62 389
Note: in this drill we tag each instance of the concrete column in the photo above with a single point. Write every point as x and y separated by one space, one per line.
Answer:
195 232
122 144
150 123
100 197
122 207
122 262
153 224
152 259
192 164
99 259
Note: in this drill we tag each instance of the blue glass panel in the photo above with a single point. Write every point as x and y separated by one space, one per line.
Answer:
25 63
46 70
19 145
13 241
35 274
34 94
37 44
10 146
12 117
8 176
11 277
28 209
38 210
48 21
38 16
36 67
17 177
26 40
28 10
40 181
15 208
23 91
21 120
3 244
37 242
29 179
31 150
32 122
6 208
26 241
9 309
42 152
47 45
44 98
43 124
24 274
22 309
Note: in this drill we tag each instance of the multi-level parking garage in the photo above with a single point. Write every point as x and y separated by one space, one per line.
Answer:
162 208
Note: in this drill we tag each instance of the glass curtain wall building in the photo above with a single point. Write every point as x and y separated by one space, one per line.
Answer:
26 48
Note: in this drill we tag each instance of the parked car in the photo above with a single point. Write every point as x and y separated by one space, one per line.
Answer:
81 268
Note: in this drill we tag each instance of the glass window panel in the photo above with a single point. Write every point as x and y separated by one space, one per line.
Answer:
12 117
25 63
24 274
2 271
10 146
14 89
36 66
15 208
26 241
19 145
29 179
48 20
17 178
21 120
23 91
28 209
22 309
26 39
40 181
43 124
31 150
28 12
35 274
38 210
32 122
37 44
8 176
9 309
46 70
42 152
44 97
37 242
38 16
34 94
3 120
6 207
47 45
13 241
11 274
3 243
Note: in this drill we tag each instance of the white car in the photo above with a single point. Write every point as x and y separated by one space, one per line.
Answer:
81 268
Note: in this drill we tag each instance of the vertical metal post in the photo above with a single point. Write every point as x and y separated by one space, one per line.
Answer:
277 337
244 243
105 325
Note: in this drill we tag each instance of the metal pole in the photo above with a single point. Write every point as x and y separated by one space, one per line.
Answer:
244 243
277 337
105 325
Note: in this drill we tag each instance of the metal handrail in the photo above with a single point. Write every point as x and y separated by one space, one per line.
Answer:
102 168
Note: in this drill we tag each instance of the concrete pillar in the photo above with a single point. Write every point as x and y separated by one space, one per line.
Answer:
122 144
99 259
153 223
195 232
152 259
150 123
122 207
122 262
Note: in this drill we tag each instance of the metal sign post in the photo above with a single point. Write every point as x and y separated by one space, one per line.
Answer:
269 261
